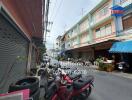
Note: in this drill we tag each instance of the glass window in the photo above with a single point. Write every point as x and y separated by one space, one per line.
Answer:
108 29
97 33
88 37
103 11
102 31
106 9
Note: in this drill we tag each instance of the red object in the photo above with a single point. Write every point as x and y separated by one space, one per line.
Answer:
23 94
67 78
117 11
64 94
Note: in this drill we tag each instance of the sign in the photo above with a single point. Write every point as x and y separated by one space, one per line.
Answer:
17 95
117 10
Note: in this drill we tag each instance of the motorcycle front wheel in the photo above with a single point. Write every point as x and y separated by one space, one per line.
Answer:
84 95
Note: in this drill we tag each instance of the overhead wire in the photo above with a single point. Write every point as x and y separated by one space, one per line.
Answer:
56 13
53 9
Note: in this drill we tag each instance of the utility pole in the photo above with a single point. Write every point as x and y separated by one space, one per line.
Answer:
53 50
82 11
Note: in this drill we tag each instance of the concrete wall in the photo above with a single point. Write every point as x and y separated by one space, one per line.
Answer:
98 15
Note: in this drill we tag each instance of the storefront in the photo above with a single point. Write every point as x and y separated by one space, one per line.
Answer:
13 53
124 49
102 49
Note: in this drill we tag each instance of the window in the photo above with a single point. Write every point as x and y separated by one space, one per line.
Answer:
97 33
103 11
88 37
108 29
106 9
84 25
103 31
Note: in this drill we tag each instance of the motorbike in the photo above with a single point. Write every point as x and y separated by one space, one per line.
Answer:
65 88
123 66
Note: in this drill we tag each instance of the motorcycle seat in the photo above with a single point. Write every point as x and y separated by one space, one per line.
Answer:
72 77
78 84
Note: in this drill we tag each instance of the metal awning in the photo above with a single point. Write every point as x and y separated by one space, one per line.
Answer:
121 47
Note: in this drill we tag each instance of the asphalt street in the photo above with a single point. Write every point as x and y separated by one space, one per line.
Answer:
106 85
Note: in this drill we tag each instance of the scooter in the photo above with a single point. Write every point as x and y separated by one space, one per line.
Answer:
123 66
67 89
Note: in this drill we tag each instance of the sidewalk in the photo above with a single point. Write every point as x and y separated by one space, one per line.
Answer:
122 74
118 73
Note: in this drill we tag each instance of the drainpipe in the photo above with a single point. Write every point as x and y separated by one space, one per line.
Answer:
29 58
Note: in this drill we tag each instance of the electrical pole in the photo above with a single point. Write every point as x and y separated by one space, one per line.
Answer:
82 11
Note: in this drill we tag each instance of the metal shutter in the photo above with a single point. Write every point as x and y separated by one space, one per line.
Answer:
13 54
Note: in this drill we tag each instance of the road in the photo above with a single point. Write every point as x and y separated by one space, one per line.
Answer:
107 86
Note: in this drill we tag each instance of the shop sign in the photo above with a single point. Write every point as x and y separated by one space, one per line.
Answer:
17 95
117 10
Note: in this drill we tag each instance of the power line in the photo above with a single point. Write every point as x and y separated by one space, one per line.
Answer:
53 9
57 12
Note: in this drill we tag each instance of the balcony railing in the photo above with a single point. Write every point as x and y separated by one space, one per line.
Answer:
125 32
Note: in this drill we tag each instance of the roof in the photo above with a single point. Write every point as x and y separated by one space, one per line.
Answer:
98 6
85 16
28 15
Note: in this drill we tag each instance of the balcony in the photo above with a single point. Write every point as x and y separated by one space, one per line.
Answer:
125 34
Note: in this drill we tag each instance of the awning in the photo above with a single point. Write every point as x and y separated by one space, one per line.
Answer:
121 47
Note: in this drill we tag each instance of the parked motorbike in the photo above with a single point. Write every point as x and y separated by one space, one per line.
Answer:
64 88
123 66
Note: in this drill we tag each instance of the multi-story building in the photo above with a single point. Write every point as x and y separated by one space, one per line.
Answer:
58 43
96 32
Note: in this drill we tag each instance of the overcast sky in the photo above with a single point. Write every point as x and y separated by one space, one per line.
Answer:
64 14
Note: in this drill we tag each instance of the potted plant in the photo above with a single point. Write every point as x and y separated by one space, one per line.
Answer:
110 67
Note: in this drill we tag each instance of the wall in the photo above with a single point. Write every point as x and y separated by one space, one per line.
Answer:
84 37
83 26
102 13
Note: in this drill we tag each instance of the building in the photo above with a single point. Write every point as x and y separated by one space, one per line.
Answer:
21 35
58 44
94 34
123 49
52 53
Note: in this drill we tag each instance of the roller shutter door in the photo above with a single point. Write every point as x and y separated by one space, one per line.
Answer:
13 54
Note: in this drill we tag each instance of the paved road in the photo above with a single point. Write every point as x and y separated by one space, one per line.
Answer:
108 86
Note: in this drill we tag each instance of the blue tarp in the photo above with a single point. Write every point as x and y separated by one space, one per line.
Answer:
121 47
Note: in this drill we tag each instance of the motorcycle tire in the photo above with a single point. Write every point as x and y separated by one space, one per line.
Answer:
31 83
84 95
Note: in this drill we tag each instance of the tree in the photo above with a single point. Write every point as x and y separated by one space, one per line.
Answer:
42 51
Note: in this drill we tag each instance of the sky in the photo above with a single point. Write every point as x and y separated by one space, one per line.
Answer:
64 14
